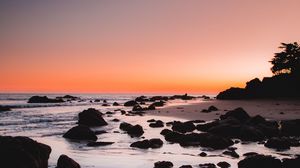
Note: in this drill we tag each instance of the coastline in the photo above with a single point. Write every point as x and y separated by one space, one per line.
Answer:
269 109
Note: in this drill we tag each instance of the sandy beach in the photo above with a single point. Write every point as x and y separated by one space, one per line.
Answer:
269 109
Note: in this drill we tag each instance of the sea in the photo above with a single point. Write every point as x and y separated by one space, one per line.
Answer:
47 122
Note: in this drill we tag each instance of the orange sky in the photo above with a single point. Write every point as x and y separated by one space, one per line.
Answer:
141 46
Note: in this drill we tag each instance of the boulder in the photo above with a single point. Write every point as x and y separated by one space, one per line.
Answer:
132 130
238 113
278 143
158 104
223 164
231 153
157 124
44 99
91 117
183 127
116 104
23 152
137 107
65 162
163 164
130 103
145 144
255 161
80 132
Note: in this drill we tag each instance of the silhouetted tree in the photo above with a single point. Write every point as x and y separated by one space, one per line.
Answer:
287 61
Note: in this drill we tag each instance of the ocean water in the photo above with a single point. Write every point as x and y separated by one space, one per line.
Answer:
47 123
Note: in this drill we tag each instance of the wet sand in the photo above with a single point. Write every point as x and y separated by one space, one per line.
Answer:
269 109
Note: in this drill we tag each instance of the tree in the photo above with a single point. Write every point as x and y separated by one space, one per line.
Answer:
287 61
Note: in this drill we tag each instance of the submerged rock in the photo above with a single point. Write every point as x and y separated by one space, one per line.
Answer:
23 152
99 143
91 117
66 162
4 108
44 99
163 164
80 132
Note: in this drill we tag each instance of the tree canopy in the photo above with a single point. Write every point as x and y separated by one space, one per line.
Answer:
287 61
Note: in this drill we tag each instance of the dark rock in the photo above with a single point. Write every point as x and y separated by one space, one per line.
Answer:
157 124
80 132
134 131
232 94
255 161
250 154
137 107
278 143
91 117
145 144
115 120
65 162
159 98
158 104
116 104
231 153
183 127
100 132
223 164
238 113
109 112
151 120
4 108
141 99
291 163
23 152
182 97
290 127
186 166
207 165
130 103
203 154
99 143
212 108
105 105
151 107
44 99
163 164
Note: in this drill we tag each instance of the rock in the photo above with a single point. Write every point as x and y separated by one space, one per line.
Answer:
255 161
23 152
145 144
134 131
231 153
158 104
223 164
141 99
159 98
157 124
99 143
232 94
4 108
100 132
186 166
163 164
151 120
207 165
182 97
151 107
65 162
212 108
238 113
290 127
137 107
250 154
250 133
203 154
115 120
91 117
44 99
116 104
80 132
278 143
130 103
291 163
197 139
183 127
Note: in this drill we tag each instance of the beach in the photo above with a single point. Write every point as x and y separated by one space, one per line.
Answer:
47 123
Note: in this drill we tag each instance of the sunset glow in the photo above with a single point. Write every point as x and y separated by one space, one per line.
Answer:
140 46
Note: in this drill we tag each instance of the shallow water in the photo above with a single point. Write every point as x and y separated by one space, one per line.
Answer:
47 124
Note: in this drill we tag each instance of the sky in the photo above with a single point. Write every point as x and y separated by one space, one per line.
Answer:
133 46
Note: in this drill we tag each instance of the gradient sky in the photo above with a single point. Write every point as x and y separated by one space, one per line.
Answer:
201 46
